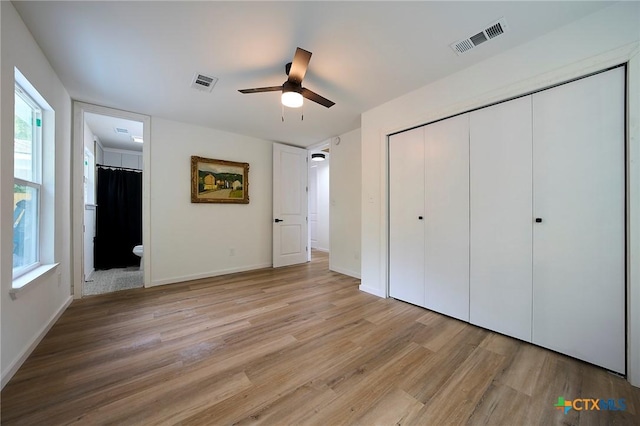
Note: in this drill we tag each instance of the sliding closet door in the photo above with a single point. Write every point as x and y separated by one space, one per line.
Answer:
447 216
406 216
579 243
501 221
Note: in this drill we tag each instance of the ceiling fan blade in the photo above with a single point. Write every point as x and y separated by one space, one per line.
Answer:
262 89
299 65
312 96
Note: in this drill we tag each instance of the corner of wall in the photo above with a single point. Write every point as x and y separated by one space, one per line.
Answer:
633 214
345 195
13 367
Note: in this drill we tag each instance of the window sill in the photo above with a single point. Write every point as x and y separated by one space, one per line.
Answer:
27 280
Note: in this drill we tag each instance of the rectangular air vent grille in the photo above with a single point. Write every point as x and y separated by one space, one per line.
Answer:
121 131
203 82
491 31
494 30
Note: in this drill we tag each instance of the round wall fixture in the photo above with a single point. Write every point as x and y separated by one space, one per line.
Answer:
337 140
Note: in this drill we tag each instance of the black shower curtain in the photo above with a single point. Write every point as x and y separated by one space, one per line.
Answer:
118 218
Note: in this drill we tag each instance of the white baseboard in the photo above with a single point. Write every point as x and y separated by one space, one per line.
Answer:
374 291
17 363
324 250
345 272
183 278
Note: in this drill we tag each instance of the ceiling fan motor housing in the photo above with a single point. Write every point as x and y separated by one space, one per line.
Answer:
290 86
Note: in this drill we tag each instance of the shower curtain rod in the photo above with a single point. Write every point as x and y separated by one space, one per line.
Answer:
118 168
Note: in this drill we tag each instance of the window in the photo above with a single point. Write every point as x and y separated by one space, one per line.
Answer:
27 181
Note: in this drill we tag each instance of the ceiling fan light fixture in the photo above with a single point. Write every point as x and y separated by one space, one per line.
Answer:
291 99
292 90
318 156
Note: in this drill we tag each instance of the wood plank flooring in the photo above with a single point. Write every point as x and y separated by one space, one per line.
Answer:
297 345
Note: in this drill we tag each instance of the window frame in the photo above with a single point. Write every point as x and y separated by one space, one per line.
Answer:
36 174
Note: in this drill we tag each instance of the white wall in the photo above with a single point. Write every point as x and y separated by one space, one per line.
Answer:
99 152
345 193
26 319
190 241
89 138
604 39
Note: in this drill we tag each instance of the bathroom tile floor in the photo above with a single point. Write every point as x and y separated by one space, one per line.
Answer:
111 280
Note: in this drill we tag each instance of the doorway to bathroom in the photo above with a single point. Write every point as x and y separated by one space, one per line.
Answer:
117 241
112 206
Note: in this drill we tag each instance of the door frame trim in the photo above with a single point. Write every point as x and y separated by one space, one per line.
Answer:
77 187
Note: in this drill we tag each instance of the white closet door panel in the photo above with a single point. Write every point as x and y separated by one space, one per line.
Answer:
578 273
406 205
447 216
501 223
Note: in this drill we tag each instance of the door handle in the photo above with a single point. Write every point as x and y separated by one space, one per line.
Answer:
538 220
419 217
278 220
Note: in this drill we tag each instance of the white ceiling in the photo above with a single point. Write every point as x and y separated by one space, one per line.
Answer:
141 56
104 127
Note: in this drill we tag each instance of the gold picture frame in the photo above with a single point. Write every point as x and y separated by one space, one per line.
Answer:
219 181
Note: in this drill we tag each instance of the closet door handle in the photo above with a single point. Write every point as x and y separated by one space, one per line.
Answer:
278 220
419 217
538 220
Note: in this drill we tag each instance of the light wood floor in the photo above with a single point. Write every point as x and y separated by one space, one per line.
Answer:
298 345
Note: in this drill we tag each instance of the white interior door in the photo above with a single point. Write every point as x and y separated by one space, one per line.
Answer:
447 216
579 196
501 218
406 216
289 205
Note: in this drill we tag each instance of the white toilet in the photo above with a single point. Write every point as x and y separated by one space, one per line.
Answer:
137 250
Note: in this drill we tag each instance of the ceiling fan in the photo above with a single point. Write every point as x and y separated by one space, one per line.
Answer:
292 90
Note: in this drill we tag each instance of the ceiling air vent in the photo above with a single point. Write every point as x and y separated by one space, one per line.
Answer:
121 131
203 82
491 31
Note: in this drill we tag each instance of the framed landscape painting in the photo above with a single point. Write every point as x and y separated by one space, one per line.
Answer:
219 181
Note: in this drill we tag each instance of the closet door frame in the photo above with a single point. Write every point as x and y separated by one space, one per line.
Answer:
627 181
